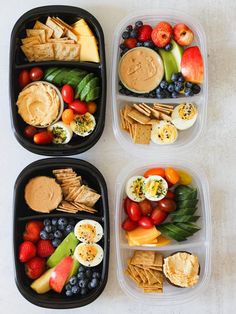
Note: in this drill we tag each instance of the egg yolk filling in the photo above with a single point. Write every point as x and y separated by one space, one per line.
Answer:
88 252
187 111
87 232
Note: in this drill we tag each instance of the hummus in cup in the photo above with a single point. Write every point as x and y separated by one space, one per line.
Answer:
40 104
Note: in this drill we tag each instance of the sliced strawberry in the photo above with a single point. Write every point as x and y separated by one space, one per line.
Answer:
144 33
35 267
130 43
27 250
161 34
45 248
32 231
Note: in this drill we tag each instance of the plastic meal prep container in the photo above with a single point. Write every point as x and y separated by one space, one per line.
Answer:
22 214
185 137
199 243
18 62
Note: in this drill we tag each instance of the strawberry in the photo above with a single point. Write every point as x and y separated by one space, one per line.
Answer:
45 248
161 34
130 43
27 250
144 33
35 267
32 231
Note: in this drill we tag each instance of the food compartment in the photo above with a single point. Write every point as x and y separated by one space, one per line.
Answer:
24 222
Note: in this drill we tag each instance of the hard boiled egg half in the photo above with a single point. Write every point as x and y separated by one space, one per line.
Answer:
155 188
164 132
134 188
88 230
184 116
89 254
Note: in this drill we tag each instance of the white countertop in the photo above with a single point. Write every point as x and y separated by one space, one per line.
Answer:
215 152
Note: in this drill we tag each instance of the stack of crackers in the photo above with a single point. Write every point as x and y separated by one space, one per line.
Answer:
145 269
76 196
139 118
54 40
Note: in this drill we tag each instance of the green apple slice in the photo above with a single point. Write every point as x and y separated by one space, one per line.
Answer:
177 51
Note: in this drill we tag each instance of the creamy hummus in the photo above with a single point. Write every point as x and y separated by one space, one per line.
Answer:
38 104
141 70
182 269
43 194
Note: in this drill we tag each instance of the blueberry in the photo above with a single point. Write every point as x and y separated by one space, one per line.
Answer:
180 75
50 236
139 44
73 281
171 87
152 94
179 86
89 286
48 228
158 90
83 291
125 35
61 227
69 228
83 283
94 283
88 273
47 222
163 84
69 293
58 234
167 94
62 221
124 51
188 92
75 289
44 235
129 28
174 77
134 33
81 275
181 79
188 84
174 94
168 47
122 91
122 46
148 44
68 287
196 89
54 228
177 89
56 242
138 23
54 221
96 275
71 222
81 269
161 95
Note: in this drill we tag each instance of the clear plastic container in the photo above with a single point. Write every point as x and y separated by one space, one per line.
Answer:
186 137
199 243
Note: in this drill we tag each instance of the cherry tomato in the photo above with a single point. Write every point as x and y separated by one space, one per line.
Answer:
127 203
167 205
67 93
134 211
24 78
36 74
30 131
185 178
146 207
172 175
154 204
44 137
158 216
79 107
67 116
129 225
145 222
170 195
155 172
92 107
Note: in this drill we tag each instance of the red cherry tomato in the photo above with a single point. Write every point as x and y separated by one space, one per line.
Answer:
167 205
172 175
158 216
67 93
129 225
146 207
127 203
170 195
30 131
36 74
134 211
79 107
154 204
44 137
145 222
24 78
155 172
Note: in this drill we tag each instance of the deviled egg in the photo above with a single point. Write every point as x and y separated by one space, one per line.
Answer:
88 230
83 125
164 133
155 188
89 254
134 188
184 116
62 132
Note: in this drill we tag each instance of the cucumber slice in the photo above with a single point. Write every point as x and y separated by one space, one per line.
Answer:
49 71
89 87
179 231
185 218
183 211
183 189
93 94
60 76
187 203
82 84
171 234
50 77
191 227
187 196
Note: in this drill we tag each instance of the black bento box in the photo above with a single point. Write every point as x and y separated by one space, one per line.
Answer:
18 62
22 214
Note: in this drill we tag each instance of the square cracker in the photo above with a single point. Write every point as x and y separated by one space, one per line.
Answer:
142 134
37 32
43 52
48 30
127 110
67 52
28 50
87 197
34 40
58 31
138 116
143 258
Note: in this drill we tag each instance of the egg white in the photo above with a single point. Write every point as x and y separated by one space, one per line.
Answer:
156 128
182 124
89 263
86 237
129 191
163 183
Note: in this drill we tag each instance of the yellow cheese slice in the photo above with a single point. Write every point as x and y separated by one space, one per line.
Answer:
82 28
88 49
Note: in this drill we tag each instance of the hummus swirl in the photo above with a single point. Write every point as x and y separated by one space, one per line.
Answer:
141 70
38 104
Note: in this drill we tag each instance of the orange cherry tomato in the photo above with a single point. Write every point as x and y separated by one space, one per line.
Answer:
155 172
172 175
92 107
67 116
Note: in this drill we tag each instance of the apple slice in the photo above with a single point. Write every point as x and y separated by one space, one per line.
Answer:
61 273
41 285
192 65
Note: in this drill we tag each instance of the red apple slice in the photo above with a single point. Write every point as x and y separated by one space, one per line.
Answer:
192 65
60 274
